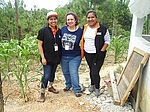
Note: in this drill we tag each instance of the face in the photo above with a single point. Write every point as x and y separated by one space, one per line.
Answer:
53 21
71 20
91 19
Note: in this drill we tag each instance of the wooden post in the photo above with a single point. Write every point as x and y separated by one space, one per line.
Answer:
116 96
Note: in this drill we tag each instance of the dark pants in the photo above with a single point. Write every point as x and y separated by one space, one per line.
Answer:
94 68
49 75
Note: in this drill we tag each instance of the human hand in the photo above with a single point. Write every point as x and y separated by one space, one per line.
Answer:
101 54
44 62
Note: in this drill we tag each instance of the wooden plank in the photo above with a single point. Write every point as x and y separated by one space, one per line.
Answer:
132 65
125 79
129 76
135 78
114 88
132 83
122 87
139 51
124 69
130 73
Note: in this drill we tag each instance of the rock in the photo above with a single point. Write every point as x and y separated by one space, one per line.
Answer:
81 103
87 91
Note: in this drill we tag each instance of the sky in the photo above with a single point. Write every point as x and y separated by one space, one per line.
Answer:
47 4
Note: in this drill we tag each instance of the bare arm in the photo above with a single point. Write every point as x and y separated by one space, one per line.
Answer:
104 47
44 62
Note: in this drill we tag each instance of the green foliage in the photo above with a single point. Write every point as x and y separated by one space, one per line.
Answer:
146 28
119 48
16 60
29 46
119 69
30 21
112 13
123 15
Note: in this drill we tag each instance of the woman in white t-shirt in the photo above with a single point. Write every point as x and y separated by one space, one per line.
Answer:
95 40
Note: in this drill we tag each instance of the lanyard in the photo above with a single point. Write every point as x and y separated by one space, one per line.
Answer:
54 33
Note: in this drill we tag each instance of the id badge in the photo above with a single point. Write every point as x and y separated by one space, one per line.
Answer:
66 47
55 47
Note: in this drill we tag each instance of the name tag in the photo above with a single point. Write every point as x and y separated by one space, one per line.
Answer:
66 47
99 33
55 47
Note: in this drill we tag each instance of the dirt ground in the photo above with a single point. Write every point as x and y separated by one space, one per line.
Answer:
62 102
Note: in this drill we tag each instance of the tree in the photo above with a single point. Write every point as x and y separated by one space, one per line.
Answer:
1 97
17 23
8 27
114 14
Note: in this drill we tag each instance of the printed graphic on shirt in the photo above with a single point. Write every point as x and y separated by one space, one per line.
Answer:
68 41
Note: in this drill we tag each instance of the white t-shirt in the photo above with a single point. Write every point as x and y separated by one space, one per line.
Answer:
89 40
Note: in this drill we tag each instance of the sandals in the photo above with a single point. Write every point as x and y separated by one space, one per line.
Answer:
66 89
78 94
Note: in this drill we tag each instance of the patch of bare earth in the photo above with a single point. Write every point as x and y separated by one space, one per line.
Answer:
62 102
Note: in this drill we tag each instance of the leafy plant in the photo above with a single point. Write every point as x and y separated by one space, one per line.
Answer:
119 47
16 61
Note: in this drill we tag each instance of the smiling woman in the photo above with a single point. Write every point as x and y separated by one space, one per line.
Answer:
47 4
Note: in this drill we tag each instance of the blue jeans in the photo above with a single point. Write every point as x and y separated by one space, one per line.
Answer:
49 75
70 67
